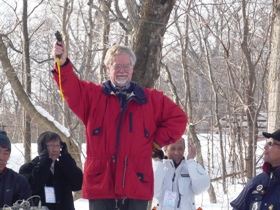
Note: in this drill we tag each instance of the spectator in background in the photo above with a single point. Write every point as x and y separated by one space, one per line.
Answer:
178 180
13 186
263 191
53 175
122 119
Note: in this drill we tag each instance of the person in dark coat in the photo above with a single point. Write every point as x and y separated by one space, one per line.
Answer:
262 192
13 186
53 175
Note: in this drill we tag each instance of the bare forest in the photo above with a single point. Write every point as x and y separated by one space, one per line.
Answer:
217 59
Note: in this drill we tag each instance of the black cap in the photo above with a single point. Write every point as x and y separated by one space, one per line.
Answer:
275 135
4 140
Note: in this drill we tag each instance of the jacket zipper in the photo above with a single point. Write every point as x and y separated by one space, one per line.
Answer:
124 171
173 178
179 201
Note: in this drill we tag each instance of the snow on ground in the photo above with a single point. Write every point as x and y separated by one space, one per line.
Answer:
223 200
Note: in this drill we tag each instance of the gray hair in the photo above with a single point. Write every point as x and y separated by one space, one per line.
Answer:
118 50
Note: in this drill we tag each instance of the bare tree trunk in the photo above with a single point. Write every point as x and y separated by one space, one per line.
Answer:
171 84
249 96
90 45
106 30
27 83
273 114
147 41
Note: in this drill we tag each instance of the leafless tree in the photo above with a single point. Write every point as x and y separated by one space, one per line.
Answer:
273 77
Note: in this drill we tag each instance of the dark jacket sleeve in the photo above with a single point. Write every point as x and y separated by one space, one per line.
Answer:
240 202
36 172
244 199
22 189
70 170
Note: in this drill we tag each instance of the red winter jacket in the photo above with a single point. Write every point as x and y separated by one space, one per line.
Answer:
119 140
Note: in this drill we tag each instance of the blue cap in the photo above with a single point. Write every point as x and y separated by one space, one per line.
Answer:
4 140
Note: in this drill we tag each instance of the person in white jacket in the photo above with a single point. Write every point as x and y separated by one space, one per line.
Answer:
177 180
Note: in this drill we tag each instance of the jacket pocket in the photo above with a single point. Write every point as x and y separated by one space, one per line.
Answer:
95 170
186 197
139 178
184 183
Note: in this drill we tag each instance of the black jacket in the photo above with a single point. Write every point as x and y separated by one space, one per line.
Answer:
262 192
13 187
67 178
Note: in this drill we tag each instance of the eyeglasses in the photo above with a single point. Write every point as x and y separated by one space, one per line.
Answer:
52 146
271 143
120 67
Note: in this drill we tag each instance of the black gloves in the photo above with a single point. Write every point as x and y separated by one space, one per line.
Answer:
157 151
44 157
64 150
158 154
44 153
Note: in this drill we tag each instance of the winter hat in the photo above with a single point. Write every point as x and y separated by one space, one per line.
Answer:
4 140
275 135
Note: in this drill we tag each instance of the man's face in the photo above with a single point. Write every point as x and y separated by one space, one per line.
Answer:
4 157
53 148
272 152
176 151
120 70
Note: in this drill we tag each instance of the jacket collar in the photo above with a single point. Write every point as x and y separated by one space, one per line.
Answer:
171 164
137 92
268 169
177 164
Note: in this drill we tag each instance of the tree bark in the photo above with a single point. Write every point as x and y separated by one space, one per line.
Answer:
27 84
273 114
250 108
147 41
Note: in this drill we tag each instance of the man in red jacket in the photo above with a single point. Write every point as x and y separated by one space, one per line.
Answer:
122 120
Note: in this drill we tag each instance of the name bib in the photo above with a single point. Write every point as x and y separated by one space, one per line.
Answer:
169 198
50 195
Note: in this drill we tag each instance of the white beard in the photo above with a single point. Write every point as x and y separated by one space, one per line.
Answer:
121 82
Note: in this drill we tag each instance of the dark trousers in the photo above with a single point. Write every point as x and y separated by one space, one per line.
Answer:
112 204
